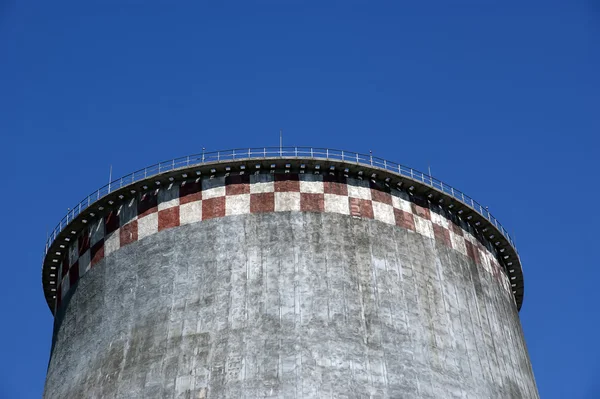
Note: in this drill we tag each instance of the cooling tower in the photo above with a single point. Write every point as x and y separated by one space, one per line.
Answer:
284 273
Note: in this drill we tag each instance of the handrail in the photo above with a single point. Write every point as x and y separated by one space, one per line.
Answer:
273 152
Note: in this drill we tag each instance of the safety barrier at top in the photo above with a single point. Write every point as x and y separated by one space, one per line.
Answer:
274 152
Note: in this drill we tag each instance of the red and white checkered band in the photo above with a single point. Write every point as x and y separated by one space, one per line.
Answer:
206 198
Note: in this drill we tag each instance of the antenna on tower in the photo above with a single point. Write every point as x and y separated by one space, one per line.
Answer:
109 178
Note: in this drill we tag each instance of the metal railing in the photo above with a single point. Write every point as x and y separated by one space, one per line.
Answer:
273 152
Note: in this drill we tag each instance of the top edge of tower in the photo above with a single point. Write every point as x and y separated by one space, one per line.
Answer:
281 159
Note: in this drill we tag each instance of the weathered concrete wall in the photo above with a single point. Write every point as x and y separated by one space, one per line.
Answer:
288 304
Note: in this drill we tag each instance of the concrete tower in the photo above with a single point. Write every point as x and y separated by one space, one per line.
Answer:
284 273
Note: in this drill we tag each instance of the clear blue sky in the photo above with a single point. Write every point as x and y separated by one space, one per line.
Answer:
501 98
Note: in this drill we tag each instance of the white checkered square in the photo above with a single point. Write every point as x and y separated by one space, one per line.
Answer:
505 282
147 225
383 212
73 252
84 263
439 220
485 261
494 265
359 189
213 187
237 204
168 197
262 183
424 227
337 204
112 242
401 203
287 202
469 237
311 184
458 242
189 213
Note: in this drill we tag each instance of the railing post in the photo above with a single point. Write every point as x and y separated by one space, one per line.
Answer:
311 152
327 153
188 160
296 151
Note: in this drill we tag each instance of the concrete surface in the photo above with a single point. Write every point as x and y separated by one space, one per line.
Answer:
288 305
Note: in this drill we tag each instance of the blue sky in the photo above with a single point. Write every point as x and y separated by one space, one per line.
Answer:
501 98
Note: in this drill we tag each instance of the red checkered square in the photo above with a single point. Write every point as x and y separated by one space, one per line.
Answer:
456 228
289 182
97 252
312 202
361 208
471 250
442 235
421 211
148 204
213 208
128 233
73 274
381 196
335 185
404 219
236 185
262 202
168 218
111 222
190 192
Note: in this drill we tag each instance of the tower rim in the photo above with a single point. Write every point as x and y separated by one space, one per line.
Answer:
279 159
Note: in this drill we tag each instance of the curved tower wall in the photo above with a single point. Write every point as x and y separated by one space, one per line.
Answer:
284 285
